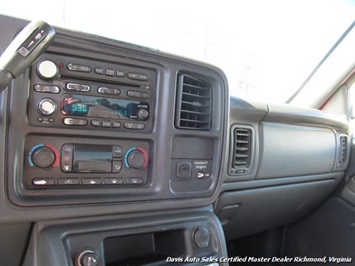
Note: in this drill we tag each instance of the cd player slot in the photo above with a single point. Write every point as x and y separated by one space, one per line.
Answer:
103 80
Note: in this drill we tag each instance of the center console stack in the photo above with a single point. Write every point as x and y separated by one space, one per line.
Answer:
98 129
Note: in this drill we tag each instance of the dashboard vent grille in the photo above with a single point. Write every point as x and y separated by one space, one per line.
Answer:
343 149
242 148
193 103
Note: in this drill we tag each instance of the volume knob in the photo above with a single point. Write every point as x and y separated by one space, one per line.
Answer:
47 69
46 106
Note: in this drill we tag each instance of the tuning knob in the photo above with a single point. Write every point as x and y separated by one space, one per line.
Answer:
43 157
136 158
143 114
47 69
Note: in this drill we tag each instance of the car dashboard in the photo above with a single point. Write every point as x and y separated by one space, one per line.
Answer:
127 155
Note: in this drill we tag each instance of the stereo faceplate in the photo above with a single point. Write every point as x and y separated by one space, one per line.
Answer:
88 94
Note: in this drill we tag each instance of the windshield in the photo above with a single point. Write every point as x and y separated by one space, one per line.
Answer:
266 48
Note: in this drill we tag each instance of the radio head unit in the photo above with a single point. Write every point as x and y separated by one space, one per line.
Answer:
103 107
67 92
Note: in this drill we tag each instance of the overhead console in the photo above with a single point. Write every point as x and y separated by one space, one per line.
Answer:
100 121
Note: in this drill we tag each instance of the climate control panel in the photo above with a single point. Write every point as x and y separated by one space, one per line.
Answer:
57 163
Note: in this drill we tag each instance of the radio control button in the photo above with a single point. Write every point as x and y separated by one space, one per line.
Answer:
46 106
91 181
96 122
106 123
113 181
99 70
47 69
75 121
116 166
77 87
105 90
47 88
132 125
120 74
137 76
68 181
79 68
116 124
117 151
133 180
43 181
109 72
137 94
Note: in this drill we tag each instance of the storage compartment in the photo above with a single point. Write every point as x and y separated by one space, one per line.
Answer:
250 211
144 249
292 150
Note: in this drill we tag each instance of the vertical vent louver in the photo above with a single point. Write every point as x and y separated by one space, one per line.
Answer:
343 148
193 109
242 148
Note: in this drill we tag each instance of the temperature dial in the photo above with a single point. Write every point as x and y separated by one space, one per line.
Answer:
43 157
47 69
136 158
46 106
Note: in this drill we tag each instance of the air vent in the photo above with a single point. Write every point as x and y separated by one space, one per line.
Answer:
242 148
193 109
343 149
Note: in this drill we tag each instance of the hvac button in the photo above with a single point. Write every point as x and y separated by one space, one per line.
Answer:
133 180
116 166
113 181
68 181
43 181
92 181
117 151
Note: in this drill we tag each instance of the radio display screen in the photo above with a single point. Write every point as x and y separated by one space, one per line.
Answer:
100 107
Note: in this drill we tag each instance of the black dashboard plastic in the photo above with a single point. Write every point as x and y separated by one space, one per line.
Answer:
94 150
